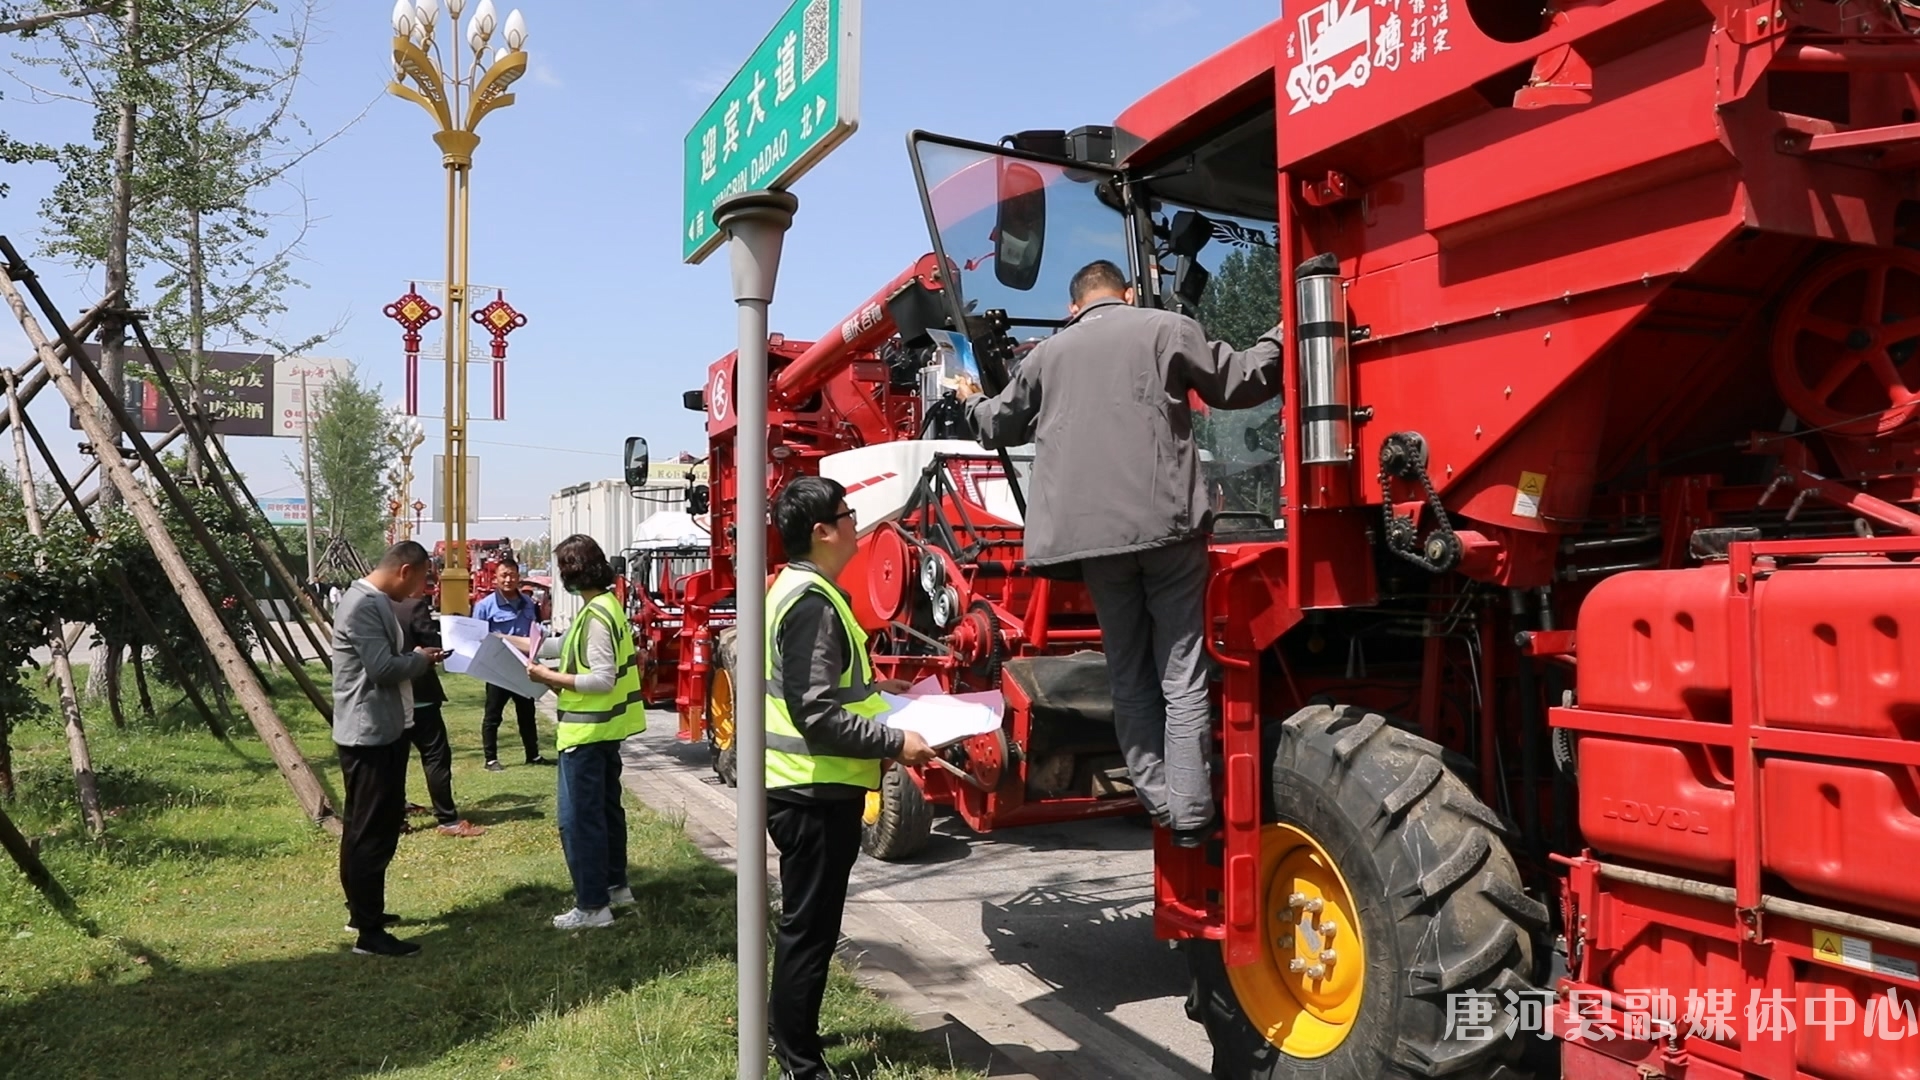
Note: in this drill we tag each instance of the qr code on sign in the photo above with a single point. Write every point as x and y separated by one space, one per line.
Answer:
817 41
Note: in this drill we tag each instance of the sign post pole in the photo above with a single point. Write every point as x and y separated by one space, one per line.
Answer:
796 98
755 224
306 474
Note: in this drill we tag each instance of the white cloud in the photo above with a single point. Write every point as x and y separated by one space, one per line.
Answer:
707 85
542 73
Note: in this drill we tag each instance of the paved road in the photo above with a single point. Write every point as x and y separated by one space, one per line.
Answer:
1039 938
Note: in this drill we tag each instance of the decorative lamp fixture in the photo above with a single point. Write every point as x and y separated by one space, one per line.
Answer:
412 312
500 319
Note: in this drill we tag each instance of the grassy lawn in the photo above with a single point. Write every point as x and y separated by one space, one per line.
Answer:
209 933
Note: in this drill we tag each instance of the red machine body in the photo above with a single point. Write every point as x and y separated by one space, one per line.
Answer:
1598 473
832 403
482 557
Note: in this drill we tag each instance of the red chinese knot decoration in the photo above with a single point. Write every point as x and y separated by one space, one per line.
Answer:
499 319
412 312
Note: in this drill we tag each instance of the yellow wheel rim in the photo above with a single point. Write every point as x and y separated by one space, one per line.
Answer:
872 815
720 709
1304 991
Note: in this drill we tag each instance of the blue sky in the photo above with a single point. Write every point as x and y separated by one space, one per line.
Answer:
577 192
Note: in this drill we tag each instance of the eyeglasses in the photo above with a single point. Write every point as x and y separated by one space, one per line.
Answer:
848 513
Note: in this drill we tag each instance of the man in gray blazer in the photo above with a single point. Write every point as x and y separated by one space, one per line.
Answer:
372 701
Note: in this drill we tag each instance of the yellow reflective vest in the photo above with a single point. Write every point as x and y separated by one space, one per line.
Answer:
789 764
617 713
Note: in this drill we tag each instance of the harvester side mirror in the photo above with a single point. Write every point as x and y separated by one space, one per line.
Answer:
1020 226
619 564
636 462
1190 281
698 499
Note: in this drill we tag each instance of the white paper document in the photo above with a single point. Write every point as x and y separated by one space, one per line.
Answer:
473 650
944 719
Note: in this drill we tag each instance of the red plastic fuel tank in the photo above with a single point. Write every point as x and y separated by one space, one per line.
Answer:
1832 649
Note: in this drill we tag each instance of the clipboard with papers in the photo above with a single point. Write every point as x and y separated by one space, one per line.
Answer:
474 650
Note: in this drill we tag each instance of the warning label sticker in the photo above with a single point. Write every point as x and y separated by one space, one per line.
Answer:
1859 954
1526 499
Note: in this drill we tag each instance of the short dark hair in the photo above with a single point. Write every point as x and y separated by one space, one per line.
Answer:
503 564
405 555
808 501
582 564
1097 276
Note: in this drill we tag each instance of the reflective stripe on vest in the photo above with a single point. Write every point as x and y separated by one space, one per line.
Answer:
616 713
789 764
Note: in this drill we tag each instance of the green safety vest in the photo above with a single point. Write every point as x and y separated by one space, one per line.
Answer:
789 762
617 713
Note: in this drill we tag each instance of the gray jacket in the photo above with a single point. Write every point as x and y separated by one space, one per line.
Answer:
1104 402
372 676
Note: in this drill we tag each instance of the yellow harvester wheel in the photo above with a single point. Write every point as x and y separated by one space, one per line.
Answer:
1385 889
898 818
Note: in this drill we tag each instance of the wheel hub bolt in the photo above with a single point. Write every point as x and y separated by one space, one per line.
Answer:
1316 972
1297 966
1287 942
1297 900
1329 956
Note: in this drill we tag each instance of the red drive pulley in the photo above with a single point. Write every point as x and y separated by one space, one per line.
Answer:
1844 346
986 758
893 565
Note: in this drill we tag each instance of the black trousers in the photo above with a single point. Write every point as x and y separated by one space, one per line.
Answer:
818 843
497 698
429 736
376 780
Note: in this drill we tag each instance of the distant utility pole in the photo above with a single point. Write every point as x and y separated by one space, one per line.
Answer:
306 451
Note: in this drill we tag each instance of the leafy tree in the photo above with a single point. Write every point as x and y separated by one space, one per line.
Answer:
350 485
1242 303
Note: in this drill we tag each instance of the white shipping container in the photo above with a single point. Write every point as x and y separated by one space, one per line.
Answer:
610 513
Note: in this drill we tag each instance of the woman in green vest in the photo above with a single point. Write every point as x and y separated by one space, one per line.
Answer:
598 683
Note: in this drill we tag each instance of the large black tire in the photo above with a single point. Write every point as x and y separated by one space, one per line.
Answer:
721 751
898 818
1439 903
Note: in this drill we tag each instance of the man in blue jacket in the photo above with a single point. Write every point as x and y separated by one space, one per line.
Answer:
507 612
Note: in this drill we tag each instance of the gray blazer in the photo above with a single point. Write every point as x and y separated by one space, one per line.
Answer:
1104 402
371 673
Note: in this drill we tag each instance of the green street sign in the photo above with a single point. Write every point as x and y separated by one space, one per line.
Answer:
797 98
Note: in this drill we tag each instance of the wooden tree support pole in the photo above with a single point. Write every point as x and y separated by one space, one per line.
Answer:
86 786
87 474
33 378
197 436
29 862
253 698
182 677
109 395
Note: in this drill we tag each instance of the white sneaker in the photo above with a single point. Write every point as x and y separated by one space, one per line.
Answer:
621 897
584 920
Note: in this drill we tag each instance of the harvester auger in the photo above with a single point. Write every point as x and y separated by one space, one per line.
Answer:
1569 718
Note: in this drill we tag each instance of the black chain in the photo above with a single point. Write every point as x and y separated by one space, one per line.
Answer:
1403 457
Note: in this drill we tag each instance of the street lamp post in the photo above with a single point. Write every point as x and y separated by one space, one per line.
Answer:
405 436
457 102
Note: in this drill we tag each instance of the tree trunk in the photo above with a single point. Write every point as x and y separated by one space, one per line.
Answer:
85 784
196 334
140 681
253 699
113 327
6 759
114 710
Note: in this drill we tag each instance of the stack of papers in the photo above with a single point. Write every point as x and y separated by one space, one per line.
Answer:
475 651
943 719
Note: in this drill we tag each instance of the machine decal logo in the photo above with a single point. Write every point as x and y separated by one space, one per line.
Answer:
870 481
1676 818
1339 43
718 400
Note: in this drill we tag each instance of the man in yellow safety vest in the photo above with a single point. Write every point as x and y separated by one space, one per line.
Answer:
825 750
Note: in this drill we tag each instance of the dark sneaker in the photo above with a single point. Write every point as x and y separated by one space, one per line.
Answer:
495 766
381 943
540 761
414 809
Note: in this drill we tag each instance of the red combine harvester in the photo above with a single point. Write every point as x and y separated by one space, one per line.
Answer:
938 580
482 557
1571 695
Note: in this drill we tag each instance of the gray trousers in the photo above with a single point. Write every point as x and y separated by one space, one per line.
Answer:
1152 611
